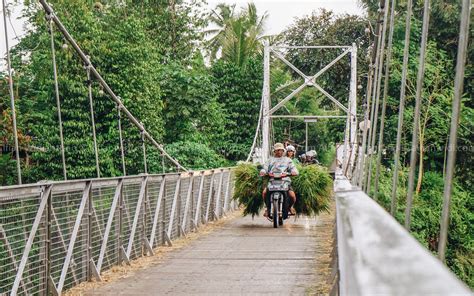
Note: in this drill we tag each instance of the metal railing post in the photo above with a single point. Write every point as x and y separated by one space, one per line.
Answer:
136 217
89 234
115 202
72 241
209 197
218 195
226 195
178 211
119 227
145 245
157 212
48 249
173 209
187 202
197 218
45 196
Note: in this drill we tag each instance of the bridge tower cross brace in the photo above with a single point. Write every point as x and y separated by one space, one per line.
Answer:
350 145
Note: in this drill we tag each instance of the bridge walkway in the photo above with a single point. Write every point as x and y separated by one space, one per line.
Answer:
243 256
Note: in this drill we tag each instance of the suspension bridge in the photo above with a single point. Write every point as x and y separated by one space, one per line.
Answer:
55 235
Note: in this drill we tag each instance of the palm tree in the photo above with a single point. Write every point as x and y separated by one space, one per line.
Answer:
221 16
239 35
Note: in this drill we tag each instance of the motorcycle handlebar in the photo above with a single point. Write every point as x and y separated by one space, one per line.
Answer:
282 175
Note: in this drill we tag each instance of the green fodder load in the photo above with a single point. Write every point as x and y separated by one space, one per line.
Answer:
313 187
248 188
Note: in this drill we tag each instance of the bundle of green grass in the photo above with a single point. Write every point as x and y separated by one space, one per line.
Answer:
313 187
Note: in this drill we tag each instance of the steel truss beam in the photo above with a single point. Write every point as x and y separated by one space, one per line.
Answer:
350 110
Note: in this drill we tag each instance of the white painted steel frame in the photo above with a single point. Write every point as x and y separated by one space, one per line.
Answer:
351 109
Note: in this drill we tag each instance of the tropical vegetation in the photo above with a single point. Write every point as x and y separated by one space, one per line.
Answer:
194 79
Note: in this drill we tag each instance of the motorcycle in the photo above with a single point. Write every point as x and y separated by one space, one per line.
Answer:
278 200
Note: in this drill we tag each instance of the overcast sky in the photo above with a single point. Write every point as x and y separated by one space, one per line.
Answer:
281 14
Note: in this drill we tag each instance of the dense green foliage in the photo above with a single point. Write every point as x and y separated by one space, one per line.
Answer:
313 188
239 92
196 156
248 188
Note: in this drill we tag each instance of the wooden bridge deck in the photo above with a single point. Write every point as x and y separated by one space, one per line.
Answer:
243 256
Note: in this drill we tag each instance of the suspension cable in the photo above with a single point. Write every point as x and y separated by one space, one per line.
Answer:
375 65
144 152
49 17
91 104
456 108
122 152
256 132
388 58
416 119
104 84
368 94
376 94
366 121
12 97
401 110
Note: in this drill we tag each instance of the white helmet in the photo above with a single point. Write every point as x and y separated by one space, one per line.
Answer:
290 148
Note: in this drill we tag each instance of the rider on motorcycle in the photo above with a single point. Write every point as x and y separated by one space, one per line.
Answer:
279 164
291 153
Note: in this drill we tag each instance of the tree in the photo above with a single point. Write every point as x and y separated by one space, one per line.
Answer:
239 91
238 35
128 43
220 17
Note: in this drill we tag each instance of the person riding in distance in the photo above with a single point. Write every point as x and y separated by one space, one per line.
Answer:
290 152
279 164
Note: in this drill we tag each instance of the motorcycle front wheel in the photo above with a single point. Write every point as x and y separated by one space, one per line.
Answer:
275 213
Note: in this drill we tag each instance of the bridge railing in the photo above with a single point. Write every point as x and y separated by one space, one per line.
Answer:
54 235
377 256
